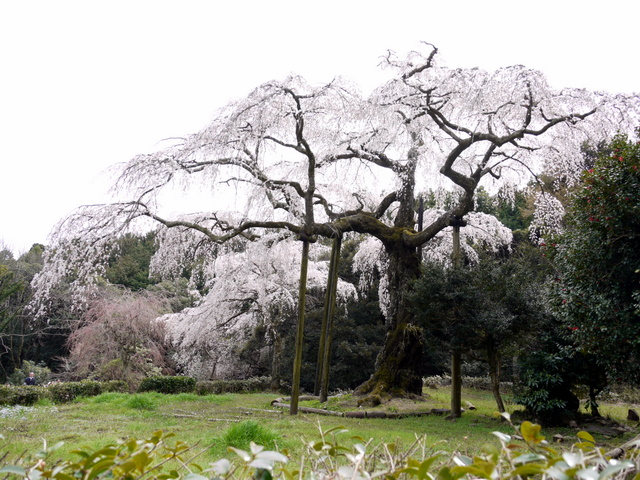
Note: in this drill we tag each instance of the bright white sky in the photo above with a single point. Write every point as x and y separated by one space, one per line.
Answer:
88 84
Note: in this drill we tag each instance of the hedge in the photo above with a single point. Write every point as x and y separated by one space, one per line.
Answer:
168 385
21 395
214 387
61 392
68 391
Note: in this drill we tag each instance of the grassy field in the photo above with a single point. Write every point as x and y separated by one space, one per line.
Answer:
213 422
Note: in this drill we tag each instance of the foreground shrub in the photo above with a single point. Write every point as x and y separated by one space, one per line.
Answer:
168 385
527 455
216 387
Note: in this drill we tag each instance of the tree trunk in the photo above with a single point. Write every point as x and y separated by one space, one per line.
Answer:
297 361
399 362
276 360
593 404
212 375
493 357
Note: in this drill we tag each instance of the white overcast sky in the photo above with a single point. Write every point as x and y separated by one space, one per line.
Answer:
88 84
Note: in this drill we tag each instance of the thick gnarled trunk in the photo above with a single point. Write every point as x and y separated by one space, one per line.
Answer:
399 362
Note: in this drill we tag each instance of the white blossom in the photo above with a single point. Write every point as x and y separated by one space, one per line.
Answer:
547 217
258 285
482 233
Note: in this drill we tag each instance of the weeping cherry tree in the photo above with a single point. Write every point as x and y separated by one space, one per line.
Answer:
322 161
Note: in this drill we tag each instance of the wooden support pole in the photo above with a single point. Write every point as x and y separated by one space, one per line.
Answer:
333 291
326 315
297 360
456 356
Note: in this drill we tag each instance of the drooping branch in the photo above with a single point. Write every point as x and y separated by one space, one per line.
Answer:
241 230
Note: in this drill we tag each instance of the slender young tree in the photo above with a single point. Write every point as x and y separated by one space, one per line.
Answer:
119 338
323 161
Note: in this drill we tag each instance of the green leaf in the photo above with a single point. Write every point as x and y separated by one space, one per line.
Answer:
531 432
506 416
241 453
35 475
426 465
502 436
13 469
99 468
141 460
587 474
273 456
614 469
221 467
528 458
462 460
586 436
63 476
255 449
557 473
81 453
472 470
261 463
527 470
262 474
195 476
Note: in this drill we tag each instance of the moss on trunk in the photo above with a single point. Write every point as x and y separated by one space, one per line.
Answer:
399 364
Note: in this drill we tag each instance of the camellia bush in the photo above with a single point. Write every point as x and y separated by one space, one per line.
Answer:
597 287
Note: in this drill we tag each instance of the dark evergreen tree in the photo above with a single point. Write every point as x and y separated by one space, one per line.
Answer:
490 308
597 287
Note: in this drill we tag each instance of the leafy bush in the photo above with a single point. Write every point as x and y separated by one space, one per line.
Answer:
21 395
41 371
216 387
168 385
546 379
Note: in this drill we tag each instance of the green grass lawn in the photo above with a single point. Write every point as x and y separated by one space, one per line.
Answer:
213 422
